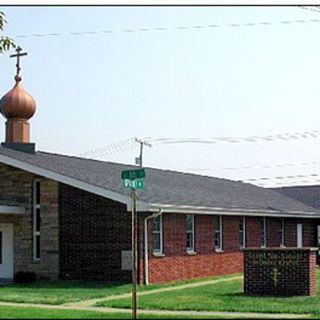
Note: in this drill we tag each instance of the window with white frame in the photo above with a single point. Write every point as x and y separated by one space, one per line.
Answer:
36 220
242 232
190 232
218 232
157 235
282 233
263 232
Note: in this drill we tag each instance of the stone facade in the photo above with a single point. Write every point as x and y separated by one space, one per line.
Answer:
16 187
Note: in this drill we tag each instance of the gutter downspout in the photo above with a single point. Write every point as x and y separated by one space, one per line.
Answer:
146 258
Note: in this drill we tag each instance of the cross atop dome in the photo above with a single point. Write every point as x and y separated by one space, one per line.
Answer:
18 55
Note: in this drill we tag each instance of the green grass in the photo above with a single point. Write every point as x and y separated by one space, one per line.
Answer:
224 296
59 292
42 313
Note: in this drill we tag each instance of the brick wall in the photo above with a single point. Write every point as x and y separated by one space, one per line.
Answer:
93 232
16 187
176 263
279 272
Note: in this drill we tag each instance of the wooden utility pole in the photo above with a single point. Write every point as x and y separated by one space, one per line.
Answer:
142 143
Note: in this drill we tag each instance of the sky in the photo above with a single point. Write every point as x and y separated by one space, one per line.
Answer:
177 73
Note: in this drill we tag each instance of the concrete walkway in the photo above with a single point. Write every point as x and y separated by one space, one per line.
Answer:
92 302
230 315
88 305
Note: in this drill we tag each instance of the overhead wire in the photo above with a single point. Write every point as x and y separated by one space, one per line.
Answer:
163 28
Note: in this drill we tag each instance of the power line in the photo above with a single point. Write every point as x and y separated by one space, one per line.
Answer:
265 166
213 140
110 149
314 8
161 28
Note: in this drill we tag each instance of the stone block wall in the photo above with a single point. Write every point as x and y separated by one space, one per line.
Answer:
16 187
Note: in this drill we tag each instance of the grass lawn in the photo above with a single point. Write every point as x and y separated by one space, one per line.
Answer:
42 313
225 296
59 292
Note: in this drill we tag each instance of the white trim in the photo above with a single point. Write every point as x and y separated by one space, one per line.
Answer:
299 235
191 249
72 182
146 254
231 212
12 210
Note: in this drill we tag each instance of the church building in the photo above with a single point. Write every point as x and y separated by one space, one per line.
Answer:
65 217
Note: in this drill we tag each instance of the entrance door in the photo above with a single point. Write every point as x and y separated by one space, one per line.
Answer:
6 251
299 235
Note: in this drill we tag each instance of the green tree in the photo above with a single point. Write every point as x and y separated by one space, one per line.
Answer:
6 43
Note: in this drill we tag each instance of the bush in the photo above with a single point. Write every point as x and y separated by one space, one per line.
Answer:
25 277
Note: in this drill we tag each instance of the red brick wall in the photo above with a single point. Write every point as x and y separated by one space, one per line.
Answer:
93 231
231 234
253 232
164 269
273 235
176 263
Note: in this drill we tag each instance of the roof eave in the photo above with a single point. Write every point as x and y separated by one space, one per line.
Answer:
231 211
71 181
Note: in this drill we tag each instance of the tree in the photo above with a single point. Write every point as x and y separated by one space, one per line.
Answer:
6 43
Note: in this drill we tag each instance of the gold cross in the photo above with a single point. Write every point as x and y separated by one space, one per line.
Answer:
274 276
18 55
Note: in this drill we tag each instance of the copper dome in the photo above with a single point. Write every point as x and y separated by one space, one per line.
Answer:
17 103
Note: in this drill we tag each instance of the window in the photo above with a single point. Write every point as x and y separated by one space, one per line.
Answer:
157 235
190 232
218 232
281 233
36 220
263 230
242 232
299 236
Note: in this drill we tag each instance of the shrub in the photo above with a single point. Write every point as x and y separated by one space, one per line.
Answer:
25 277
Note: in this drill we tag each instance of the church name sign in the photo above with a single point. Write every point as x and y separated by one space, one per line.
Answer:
280 271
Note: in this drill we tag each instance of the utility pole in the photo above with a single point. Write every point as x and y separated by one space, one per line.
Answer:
142 143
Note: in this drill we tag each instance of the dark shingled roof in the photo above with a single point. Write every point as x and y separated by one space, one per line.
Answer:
310 195
164 186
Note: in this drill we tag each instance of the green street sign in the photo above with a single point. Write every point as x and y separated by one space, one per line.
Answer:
136 184
133 174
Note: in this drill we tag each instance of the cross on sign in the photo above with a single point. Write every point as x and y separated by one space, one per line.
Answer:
274 276
18 55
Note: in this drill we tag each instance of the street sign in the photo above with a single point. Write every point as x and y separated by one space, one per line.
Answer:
136 184
133 174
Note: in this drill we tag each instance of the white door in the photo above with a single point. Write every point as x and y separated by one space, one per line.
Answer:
299 235
6 251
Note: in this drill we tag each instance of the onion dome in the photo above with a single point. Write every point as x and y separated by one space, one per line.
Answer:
17 103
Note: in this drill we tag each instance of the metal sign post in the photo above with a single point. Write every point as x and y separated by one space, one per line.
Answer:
134 179
134 254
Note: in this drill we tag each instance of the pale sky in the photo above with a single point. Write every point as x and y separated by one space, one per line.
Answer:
175 72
